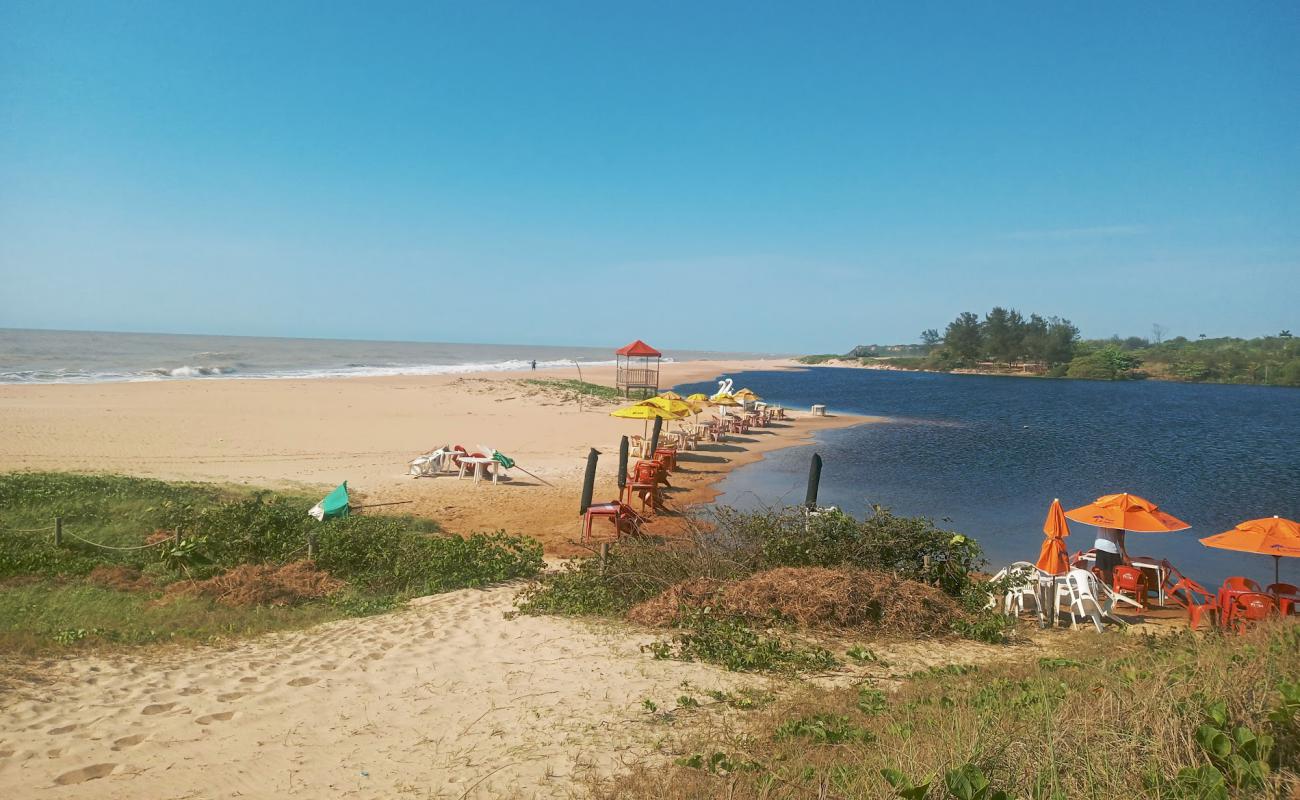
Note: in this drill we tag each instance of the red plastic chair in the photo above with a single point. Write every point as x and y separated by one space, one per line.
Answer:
626 521
1288 596
1132 582
1240 584
1196 599
1251 607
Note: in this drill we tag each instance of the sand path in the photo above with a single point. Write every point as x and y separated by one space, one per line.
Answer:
444 699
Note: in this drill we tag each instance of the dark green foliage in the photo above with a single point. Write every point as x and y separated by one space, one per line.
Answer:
824 729
1108 363
910 547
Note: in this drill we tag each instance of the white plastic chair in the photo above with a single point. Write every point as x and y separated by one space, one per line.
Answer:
1022 580
1081 587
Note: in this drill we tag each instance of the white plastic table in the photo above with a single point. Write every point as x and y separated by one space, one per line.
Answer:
481 465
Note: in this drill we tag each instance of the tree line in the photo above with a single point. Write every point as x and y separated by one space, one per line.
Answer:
1003 336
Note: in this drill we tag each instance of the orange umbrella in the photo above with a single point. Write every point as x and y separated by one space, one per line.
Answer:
1270 536
1126 512
1052 558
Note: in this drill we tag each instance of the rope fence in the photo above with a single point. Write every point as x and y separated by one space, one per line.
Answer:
112 547
311 546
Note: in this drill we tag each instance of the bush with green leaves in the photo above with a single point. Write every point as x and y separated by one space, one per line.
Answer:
732 644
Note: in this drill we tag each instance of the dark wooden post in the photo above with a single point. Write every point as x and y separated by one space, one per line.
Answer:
604 555
589 481
814 481
311 546
58 531
622 463
654 436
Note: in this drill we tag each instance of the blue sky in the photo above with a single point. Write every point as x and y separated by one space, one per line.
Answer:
747 175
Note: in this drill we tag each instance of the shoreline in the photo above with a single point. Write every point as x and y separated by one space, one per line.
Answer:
311 434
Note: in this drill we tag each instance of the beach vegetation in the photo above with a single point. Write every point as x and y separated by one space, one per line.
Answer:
574 388
212 554
1180 717
744 587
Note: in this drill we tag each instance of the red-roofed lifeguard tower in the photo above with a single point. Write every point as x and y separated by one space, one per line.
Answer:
635 371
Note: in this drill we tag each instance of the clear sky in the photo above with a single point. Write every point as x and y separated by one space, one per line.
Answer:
796 177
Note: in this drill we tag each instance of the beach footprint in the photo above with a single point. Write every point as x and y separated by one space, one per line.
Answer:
303 681
157 708
62 729
230 696
208 719
129 741
84 774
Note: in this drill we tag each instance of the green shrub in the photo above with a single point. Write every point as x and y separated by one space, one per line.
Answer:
732 644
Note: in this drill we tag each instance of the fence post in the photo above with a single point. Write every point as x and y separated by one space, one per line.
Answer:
176 537
58 531
311 547
604 554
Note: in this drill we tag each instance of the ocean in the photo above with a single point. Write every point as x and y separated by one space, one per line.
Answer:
986 455
40 356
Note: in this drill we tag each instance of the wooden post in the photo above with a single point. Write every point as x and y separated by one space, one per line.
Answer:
604 554
311 547
58 531
176 537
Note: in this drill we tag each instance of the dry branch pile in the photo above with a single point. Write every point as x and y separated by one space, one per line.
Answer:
262 584
814 597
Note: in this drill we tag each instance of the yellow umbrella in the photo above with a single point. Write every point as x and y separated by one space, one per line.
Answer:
723 400
748 392
698 397
644 410
670 395
675 406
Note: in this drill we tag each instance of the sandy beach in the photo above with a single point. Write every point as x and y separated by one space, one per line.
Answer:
316 433
446 698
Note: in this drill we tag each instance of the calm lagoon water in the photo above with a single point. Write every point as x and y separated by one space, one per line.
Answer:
986 455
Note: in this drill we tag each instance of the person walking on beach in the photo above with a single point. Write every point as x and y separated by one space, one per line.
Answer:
1110 552
534 365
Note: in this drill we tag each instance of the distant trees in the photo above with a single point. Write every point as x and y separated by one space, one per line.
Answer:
1003 335
1053 344
964 337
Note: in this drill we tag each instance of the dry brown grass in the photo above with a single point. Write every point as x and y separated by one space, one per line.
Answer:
812 597
1117 719
262 584
120 577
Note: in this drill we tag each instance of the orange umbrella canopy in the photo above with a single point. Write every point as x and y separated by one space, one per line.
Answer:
1270 536
1126 512
1052 559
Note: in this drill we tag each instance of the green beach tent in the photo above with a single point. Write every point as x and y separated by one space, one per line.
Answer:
335 504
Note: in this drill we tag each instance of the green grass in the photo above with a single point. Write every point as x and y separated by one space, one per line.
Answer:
58 614
577 387
46 600
1184 717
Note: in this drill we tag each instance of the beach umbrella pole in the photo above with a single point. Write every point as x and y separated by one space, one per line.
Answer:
654 436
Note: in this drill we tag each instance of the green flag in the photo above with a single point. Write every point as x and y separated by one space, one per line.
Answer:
335 504
503 459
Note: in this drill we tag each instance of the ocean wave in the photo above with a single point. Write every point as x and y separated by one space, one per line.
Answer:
188 371
249 371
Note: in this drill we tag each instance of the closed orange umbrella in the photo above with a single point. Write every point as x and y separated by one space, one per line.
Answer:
1126 512
1270 536
1052 558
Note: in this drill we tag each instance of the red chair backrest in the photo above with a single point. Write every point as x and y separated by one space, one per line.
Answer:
1281 588
1254 605
1240 584
1129 579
